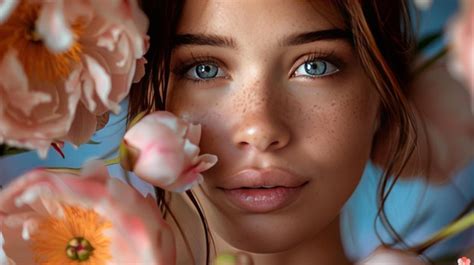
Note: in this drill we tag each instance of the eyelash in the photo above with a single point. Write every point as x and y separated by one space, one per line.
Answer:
329 57
183 67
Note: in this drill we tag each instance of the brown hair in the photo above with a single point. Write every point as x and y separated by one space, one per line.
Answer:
383 40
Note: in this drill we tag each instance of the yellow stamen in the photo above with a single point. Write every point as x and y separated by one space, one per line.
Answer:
77 238
40 64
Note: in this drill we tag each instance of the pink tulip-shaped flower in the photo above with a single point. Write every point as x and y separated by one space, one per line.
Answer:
462 33
163 150
62 218
62 63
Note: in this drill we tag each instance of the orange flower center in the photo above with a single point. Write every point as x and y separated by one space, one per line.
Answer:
40 64
76 238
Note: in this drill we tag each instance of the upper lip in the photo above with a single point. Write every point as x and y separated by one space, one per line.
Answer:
255 178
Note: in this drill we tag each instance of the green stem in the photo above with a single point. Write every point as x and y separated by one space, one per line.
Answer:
458 226
112 161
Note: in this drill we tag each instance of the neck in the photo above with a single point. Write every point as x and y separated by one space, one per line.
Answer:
325 248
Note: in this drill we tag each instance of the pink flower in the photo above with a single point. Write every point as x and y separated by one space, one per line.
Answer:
34 115
62 218
445 119
163 150
391 256
464 261
64 63
462 32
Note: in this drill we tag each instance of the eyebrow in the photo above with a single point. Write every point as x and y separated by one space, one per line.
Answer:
292 40
312 36
204 39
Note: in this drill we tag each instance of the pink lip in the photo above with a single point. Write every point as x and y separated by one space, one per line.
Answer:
247 191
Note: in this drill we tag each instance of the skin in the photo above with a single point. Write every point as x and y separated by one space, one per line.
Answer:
258 113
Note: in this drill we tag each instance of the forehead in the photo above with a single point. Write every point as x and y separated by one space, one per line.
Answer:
257 17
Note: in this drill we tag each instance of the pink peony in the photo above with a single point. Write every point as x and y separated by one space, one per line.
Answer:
163 150
62 218
462 33
391 256
64 63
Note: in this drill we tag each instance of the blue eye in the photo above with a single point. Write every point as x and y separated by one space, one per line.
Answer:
316 68
204 71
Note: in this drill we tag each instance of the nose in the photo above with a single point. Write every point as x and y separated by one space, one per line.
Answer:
262 127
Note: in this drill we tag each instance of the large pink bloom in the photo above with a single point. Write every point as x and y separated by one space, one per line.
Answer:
42 213
163 150
462 32
62 63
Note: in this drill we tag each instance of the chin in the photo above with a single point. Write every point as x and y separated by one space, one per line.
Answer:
266 234
265 243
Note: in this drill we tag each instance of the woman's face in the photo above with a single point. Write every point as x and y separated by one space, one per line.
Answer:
286 106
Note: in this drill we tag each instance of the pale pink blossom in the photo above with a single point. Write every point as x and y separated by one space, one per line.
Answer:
464 261
73 60
42 213
462 34
163 150
445 121
391 256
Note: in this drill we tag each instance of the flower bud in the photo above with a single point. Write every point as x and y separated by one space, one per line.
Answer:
163 150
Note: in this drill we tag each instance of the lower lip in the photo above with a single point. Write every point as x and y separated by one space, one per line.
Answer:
263 200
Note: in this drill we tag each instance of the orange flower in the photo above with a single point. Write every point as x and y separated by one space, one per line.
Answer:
59 218
62 64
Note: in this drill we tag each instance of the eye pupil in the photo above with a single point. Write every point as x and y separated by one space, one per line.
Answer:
206 71
315 67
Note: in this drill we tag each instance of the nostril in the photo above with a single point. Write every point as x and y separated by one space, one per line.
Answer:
243 145
275 143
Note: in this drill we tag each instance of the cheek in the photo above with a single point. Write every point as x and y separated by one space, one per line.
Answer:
340 129
205 107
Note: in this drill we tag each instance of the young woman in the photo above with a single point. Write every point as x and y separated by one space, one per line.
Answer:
294 97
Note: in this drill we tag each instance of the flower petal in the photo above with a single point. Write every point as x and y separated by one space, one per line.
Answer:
83 126
6 8
53 27
102 82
